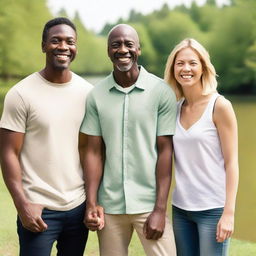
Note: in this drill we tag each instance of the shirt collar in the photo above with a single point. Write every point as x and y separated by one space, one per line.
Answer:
140 83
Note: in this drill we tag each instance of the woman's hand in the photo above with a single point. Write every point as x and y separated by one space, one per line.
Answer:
225 227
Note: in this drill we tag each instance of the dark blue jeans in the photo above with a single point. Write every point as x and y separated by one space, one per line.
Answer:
195 232
65 227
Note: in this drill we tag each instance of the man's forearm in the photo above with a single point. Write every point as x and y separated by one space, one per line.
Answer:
11 144
93 168
163 173
13 179
163 181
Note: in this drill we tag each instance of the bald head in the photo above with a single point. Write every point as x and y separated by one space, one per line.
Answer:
122 30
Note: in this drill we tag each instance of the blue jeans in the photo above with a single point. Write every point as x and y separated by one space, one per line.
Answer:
65 227
195 232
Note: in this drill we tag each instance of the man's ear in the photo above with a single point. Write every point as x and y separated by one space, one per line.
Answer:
43 46
108 50
139 53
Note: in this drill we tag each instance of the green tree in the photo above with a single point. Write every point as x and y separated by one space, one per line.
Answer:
205 16
20 36
167 32
250 62
211 2
163 12
92 52
10 20
135 16
230 40
148 57
35 15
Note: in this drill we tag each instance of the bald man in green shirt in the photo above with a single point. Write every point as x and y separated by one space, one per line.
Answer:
129 124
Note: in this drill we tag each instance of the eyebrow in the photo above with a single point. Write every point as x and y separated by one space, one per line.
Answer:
188 60
60 36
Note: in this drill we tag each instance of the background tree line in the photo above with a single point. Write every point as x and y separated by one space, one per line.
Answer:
228 33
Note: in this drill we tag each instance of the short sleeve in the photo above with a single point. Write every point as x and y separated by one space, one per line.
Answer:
91 122
167 112
14 114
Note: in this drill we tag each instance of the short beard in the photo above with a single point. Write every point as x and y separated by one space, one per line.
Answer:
124 68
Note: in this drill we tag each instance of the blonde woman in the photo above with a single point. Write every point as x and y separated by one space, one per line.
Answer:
206 155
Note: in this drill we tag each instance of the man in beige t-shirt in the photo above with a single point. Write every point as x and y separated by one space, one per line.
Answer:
39 149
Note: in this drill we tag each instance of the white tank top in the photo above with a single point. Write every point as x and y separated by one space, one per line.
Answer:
199 165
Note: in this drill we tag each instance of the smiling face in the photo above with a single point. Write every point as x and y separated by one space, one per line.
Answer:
123 48
188 68
60 47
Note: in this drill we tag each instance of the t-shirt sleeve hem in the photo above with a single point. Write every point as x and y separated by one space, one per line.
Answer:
165 133
88 132
14 129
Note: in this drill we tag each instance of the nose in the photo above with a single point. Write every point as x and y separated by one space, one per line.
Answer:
122 49
186 66
62 45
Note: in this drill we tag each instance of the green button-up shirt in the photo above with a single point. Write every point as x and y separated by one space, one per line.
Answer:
129 121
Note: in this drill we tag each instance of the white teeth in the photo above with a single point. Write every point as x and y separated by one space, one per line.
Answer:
123 59
186 77
62 56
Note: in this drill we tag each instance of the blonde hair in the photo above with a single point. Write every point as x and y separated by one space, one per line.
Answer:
209 82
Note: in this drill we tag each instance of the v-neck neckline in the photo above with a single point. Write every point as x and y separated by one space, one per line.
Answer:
197 121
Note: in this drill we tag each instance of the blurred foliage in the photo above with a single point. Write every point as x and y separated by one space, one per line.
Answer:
21 26
228 33
20 36
92 52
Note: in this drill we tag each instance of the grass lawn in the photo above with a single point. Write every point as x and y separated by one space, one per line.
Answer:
9 240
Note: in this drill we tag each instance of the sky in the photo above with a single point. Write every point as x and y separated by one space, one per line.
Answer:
96 13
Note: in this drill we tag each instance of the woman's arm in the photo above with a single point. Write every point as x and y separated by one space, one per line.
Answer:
225 121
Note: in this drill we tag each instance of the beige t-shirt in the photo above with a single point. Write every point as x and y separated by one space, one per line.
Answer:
50 115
